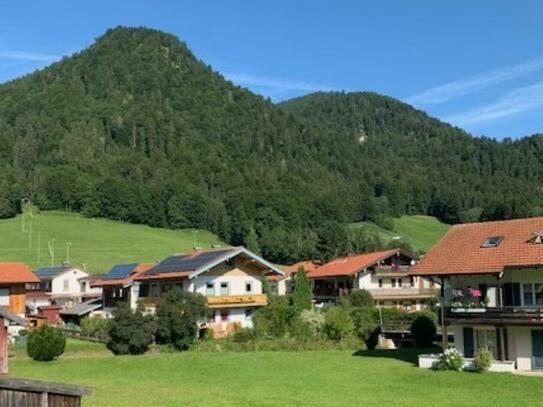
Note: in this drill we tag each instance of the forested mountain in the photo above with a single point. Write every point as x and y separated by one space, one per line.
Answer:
135 128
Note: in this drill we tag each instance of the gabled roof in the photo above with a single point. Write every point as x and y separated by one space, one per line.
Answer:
16 273
192 265
49 273
460 251
120 274
347 266
83 308
308 266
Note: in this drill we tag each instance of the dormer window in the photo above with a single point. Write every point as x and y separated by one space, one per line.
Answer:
493 241
537 238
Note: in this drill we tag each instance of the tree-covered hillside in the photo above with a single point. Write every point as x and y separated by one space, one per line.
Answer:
135 128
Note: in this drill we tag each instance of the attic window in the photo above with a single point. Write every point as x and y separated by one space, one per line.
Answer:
537 238
493 241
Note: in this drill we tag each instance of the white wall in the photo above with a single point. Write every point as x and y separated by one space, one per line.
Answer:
236 284
72 276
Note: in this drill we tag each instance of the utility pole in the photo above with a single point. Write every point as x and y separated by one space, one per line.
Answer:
194 232
51 247
68 252
38 248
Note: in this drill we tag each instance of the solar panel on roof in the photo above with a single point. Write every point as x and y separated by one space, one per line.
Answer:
49 271
120 271
187 262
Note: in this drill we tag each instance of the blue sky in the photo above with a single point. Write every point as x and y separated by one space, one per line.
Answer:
476 64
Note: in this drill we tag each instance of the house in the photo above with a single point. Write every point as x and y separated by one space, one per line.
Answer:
284 284
65 285
230 278
118 285
385 274
492 295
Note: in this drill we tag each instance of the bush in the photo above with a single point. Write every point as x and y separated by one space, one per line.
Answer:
129 332
243 335
451 359
45 343
366 323
301 330
338 324
482 360
358 298
273 320
94 327
423 331
315 320
178 313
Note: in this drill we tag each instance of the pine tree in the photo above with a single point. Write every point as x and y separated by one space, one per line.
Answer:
251 241
301 296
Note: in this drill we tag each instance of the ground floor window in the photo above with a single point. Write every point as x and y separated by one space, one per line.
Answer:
248 313
486 338
225 315
211 319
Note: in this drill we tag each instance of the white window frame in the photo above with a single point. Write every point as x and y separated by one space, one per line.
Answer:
534 296
210 285
250 285
4 297
225 284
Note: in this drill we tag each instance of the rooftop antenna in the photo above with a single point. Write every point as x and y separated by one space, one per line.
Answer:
51 247
194 233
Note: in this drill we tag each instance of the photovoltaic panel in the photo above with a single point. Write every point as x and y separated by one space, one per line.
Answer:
187 262
120 271
48 272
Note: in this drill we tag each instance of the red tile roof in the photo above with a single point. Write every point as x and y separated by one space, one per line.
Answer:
460 251
16 273
308 266
347 266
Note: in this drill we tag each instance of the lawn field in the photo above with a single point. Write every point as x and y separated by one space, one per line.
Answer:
320 378
423 231
96 243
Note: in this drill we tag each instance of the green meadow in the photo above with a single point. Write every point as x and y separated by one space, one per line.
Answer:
95 244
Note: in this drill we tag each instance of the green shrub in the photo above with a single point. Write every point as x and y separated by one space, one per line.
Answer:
129 332
207 334
273 320
315 320
358 298
177 316
301 330
22 332
393 314
338 324
366 323
95 327
45 343
423 331
242 335
451 359
426 313
482 360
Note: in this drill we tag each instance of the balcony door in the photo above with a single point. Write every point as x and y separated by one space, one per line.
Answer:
537 349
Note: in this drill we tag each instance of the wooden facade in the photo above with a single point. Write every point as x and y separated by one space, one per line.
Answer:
17 297
31 393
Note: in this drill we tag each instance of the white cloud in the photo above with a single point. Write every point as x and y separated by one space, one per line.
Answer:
514 102
276 84
28 56
452 90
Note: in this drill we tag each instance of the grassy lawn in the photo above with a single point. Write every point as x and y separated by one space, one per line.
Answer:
322 378
97 243
424 231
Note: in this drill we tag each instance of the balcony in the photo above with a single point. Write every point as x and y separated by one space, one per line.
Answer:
392 271
220 301
403 293
494 315
234 301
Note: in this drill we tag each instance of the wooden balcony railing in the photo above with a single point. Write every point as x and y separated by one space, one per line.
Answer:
495 315
392 271
220 301
403 293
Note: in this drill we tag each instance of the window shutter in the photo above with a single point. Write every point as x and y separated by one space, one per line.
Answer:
468 342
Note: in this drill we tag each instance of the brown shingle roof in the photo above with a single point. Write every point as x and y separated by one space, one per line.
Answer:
460 251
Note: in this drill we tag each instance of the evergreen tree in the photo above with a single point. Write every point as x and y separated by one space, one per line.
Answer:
301 294
251 241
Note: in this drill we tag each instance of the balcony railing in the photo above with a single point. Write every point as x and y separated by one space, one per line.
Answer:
219 301
392 271
495 315
403 293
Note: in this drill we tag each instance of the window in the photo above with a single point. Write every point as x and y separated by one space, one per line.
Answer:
380 282
412 281
210 289
407 305
225 315
66 285
493 241
249 287
4 297
83 286
486 338
225 289
248 313
393 282
144 290
538 289
211 319
528 294
537 238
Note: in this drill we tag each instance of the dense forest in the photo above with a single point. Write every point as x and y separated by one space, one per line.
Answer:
135 128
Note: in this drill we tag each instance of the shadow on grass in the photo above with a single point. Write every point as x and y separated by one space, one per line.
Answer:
409 355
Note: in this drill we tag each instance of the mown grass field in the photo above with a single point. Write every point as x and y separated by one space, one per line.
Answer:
96 243
424 231
320 378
